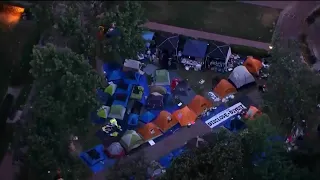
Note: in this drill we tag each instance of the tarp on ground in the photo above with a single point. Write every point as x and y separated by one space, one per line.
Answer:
234 125
131 140
240 76
167 41
96 159
166 160
199 104
195 48
147 35
149 131
165 121
185 116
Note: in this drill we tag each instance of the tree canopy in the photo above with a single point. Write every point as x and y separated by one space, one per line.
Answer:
66 96
251 154
293 88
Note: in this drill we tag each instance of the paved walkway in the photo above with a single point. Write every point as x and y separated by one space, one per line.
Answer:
6 167
271 4
206 35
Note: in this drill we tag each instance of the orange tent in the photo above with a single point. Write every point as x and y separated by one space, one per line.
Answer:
224 88
184 116
199 104
253 65
149 131
165 121
252 113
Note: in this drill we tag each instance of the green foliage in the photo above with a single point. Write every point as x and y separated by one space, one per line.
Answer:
66 96
231 157
129 18
293 89
245 50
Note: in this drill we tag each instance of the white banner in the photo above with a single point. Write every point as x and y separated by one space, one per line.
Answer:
225 115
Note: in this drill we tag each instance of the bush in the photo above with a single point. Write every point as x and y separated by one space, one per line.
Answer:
249 51
23 96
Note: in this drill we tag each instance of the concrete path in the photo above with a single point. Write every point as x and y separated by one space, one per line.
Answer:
6 167
205 35
271 4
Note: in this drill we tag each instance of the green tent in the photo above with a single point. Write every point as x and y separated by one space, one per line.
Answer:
111 89
103 112
131 140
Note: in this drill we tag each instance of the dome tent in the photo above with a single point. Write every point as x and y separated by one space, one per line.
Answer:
115 150
131 140
240 76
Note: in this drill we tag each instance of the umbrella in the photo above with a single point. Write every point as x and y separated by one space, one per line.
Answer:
131 140
115 150
103 112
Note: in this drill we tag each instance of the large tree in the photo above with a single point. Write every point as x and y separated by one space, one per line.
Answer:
293 88
251 154
128 17
66 96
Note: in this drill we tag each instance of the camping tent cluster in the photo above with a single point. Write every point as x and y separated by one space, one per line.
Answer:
240 77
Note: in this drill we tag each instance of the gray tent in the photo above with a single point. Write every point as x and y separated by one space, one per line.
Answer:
240 76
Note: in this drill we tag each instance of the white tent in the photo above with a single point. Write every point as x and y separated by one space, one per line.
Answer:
240 76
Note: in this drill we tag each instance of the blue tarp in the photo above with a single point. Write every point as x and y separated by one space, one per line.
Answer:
234 125
147 35
133 121
166 160
144 83
100 163
147 117
114 75
195 48
102 96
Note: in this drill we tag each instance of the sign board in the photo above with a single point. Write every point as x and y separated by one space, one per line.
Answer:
213 97
225 115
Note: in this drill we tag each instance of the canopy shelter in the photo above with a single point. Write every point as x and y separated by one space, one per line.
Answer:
185 116
240 77
195 48
115 150
165 121
199 104
181 88
218 54
147 117
149 131
167 42
147 37
253 65
117 112
252 113
161 77
224 88
131 140
155 101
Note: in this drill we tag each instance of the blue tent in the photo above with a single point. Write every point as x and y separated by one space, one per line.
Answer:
234 125
96 159
195 48
147 117
114 75
133 120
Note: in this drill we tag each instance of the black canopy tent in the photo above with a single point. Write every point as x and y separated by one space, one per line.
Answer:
218 54
167 41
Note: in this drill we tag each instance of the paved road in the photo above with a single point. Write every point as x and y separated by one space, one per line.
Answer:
271 4
206 35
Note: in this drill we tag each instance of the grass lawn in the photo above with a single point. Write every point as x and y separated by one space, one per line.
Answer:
226 18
